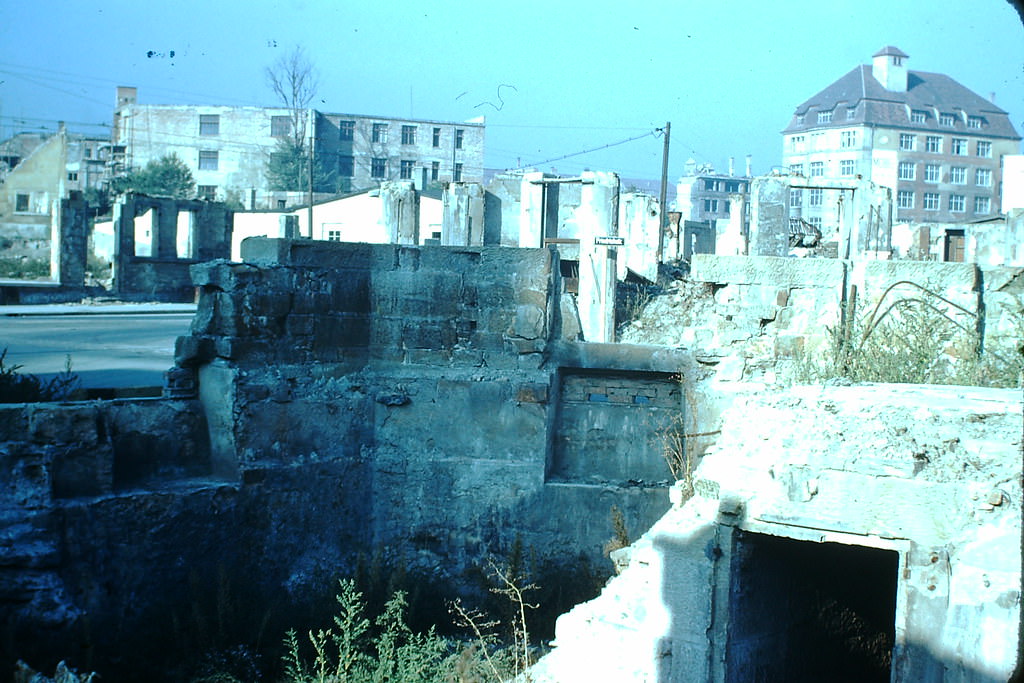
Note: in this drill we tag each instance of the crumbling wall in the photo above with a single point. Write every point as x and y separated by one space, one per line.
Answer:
183 233
929 476
345 401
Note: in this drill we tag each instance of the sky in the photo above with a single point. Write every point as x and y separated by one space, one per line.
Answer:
553 79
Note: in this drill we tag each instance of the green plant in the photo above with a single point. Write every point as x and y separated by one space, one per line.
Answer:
16 387
168 176
620 536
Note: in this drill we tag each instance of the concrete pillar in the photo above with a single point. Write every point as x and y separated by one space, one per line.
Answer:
639 221
124 238
597 217
732 241
531 211
463 215
287 226
73 246
400 211
769 221
165 229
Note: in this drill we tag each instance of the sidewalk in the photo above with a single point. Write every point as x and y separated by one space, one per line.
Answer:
97 309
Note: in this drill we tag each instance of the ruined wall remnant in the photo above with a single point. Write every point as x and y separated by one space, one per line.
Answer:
156 240
836 533
349 399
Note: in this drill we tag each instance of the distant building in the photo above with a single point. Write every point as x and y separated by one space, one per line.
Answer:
227 148
702 194
86 157
934 143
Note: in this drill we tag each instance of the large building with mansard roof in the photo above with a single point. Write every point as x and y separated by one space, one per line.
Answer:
936 144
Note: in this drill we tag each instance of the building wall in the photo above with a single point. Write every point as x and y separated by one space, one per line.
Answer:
412 141
876 155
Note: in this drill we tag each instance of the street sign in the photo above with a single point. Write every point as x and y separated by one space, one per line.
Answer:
609 241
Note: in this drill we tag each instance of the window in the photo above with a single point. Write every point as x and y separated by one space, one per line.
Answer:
932 173
796 143
280 126
73 176
380 132
458 138
956 202
21 203
985 149
814 196
405 171
931 201
905 199
796 169
824 116
458 173
946 119
982 205
974 122
848 139
346 130
908 142
88 152
734 186
711 205
846 168
817 169
933 144
408 135
207 160
851 113
437 137
280 203
378 167
906 170
346 166
983 177
799 119
711 185
207 192
958 146
918 116
958 175
435 168
815 221
334 235
795 197
209 124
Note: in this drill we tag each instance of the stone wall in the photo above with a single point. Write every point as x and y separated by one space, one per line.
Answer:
349 400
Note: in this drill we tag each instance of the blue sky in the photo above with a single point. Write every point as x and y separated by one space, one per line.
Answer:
552 78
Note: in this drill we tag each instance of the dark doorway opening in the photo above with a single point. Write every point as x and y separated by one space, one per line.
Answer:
801 611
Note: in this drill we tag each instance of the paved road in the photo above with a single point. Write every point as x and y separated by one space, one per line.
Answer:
107 351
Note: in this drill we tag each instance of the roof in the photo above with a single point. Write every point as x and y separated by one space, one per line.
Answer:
876 106
890 50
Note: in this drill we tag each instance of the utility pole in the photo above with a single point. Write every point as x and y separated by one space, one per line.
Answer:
663 195
310 213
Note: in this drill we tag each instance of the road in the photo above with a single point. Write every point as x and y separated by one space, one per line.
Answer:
107 351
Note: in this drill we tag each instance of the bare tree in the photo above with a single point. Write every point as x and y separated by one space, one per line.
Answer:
294 81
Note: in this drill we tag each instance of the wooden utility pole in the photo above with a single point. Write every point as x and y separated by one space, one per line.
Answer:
662 197
310 213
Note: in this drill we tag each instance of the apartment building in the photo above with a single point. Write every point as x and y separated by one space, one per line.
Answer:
936 144
228 148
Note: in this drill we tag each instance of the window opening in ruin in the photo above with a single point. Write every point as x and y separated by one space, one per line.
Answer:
185 237
801 611
144 228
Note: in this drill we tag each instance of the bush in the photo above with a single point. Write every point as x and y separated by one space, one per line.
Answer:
24 388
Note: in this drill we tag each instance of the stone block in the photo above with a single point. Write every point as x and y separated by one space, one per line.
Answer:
532 393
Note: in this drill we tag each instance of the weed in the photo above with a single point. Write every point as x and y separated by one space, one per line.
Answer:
16 387
620 537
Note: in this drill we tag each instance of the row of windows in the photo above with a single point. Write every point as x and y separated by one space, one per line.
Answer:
945 119
957 146
847 140
379 168
280 126
712 185
827 116
906 199
907 170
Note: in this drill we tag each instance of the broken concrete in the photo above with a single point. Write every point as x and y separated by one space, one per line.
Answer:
917 487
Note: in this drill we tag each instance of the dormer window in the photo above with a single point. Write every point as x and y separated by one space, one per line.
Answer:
824 116
851 113
946 120
799 119
918 116
897 60
974 122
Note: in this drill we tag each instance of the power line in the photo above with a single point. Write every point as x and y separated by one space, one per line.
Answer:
595 149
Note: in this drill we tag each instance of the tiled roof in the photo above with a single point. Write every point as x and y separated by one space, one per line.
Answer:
876 106
890 50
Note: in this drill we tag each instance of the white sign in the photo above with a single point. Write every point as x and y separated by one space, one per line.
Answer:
610 241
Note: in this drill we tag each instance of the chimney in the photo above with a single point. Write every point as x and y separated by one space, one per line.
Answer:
732 166
889 67
749 159
125 95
